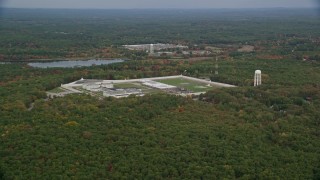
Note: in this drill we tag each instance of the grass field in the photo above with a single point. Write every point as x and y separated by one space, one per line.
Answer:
190 85
57 90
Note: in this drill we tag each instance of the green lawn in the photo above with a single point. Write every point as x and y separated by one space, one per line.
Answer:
188 84
57 90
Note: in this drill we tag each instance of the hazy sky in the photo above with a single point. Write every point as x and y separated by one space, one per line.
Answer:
125 4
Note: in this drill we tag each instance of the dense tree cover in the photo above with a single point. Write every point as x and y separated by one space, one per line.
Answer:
43 34
157 137
267 132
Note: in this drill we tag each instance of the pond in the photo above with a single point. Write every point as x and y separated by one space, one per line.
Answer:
73 64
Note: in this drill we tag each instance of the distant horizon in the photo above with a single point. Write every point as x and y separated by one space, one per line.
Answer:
250 8
156 4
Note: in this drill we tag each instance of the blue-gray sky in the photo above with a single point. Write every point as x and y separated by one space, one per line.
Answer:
132 4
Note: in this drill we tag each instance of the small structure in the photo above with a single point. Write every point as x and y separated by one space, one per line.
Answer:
120 93
94 87
151 49
257 78
156 85
107 85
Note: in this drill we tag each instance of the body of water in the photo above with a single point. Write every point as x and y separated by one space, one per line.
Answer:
72 64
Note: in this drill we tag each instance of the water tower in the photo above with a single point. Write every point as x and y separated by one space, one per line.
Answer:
151 49
257 78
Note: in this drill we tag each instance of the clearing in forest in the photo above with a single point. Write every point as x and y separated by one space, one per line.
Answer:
190 85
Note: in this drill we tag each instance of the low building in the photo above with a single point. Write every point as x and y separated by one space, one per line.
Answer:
157 85
95 87
120 93
107 85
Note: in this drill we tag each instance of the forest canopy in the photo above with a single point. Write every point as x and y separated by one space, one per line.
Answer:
246 132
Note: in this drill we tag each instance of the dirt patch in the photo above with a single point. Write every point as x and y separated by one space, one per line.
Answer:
246 48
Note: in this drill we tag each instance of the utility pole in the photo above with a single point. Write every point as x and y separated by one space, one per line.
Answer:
217 67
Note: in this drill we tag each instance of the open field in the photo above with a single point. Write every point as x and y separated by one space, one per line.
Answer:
188 84
57 90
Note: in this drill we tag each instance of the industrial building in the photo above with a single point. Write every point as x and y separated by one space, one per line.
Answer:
120 93
153 47
157 85
139 87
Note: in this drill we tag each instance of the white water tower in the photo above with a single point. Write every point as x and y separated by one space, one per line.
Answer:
257 78
151 49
